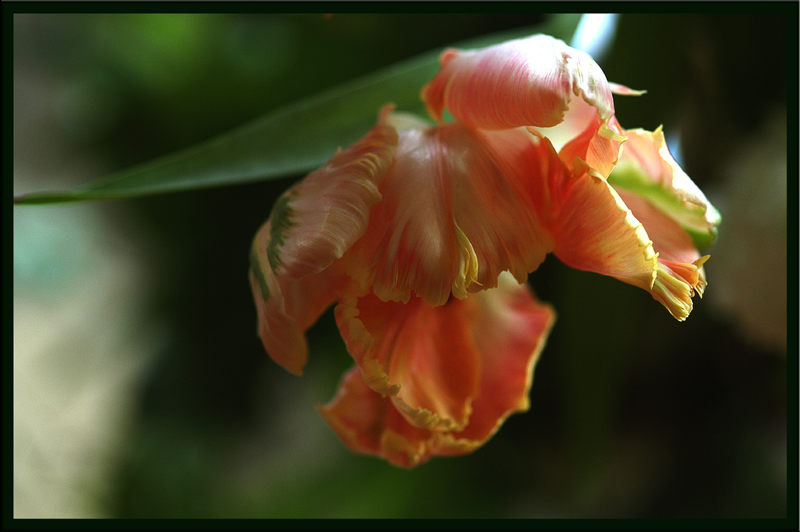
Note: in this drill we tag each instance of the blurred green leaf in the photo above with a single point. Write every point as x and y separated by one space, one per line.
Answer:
293 139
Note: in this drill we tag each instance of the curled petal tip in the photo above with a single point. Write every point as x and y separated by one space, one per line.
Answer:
676 284
622 90
609 133
702 260
508 329
315 222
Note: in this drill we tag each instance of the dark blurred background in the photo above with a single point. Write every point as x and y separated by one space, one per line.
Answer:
141 389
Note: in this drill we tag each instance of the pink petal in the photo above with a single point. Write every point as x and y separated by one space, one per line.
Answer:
523 82
509 328
451 219
316 221
287 307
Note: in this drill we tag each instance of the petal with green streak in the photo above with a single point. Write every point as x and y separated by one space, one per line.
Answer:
649 170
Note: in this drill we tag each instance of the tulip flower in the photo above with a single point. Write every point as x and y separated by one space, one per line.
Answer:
424 236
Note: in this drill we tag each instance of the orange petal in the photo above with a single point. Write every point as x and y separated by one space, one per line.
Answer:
424 357
451 219
287 307
511 331
316 221
509 328
592 227
680 271
523 82
595 231
589 225
368 423
596 146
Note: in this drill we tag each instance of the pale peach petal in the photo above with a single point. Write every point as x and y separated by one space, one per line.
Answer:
451 220
316 221
510 329
670 241
424 357
523 82
648 169
287 307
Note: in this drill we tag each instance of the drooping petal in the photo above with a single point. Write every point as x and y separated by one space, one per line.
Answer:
287 307
450 220
589 225
316 221
595 231
510 329
423 357
593 228
587 222
523 82
680 271
648 169
368 423
311 226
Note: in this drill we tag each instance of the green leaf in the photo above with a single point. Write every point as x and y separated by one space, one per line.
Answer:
291 140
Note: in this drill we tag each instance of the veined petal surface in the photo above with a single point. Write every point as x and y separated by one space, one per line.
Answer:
423 357
317 220
595 231
587 224
523 82
451 219
509 328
